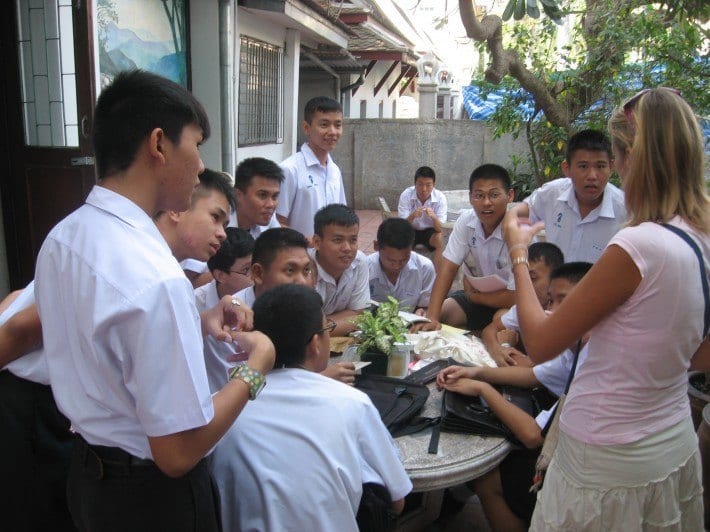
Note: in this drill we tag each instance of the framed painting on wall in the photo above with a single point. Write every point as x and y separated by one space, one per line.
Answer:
150 35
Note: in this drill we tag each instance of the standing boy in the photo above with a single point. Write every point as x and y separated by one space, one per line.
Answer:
477 231
425 208
582 211
342 269
396 271
504 494
312 179
120 327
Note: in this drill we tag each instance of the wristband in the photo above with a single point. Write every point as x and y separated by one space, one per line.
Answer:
505 344
520 260
254 379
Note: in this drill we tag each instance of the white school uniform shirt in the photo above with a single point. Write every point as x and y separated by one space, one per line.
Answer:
33 365
553 373
296 458
219 355
351 292
247 296
255 230
489 255
413 286
307 187
408 202
580 240
120 327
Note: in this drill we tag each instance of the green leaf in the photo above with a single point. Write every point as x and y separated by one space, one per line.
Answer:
519 9
508 11
532 9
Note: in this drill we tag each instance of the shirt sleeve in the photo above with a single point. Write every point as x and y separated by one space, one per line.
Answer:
554 373
403 209
343 200
165 370
380 457
442 208
510 319
289 187
429 275
533 201
361 291
457 247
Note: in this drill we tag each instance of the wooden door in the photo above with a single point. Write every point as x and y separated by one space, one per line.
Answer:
48 97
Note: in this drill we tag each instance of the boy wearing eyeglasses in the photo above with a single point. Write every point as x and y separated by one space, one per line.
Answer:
583 210
477 231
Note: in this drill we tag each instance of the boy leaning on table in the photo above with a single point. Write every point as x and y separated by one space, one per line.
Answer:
503 492
477 231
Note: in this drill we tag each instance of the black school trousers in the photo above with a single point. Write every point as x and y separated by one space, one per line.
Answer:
35 452
111 490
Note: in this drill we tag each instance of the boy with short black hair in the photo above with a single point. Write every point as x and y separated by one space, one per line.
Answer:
128 330
396 271
280 256
583 210
503 492
257 187
343 274
300 457
312 179
543 258
424 207
477 231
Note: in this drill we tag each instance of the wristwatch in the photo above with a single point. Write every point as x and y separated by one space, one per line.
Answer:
255 380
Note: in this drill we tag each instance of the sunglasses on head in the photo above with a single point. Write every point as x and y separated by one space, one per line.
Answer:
630 104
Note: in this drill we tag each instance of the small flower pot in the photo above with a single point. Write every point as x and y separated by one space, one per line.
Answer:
378 364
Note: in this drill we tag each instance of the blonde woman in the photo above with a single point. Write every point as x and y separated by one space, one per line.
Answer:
627 457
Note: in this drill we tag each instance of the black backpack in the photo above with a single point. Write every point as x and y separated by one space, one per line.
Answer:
398 402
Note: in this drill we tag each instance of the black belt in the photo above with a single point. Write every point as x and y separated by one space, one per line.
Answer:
110 460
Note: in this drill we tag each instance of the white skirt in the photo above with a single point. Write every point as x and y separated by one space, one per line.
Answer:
653 484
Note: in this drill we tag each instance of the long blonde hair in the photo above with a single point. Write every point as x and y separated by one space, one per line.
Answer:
666 172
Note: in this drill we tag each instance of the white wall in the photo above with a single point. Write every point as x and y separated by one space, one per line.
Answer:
366 92
204 62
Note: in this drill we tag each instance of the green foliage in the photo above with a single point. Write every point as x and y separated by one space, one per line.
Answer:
519 8
658 44
380 330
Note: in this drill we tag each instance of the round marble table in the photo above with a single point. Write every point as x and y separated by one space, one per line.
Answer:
460 458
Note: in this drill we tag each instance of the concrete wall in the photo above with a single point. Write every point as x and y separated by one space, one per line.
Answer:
379 157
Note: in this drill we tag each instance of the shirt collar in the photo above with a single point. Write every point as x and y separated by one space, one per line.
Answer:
125 210
605 209
475 224
322 274
309 157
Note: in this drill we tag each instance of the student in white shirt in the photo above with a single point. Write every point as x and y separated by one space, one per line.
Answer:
231 268
297 459
476 232
396 271
425 208
257 185
119 316
28 411
582 211
343 274
312 179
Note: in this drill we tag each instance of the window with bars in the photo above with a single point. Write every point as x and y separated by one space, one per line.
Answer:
260 93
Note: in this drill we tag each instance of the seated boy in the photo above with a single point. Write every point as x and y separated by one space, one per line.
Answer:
477 231
297 458
396 271
544 259
582 211
425 208
503 492
342 269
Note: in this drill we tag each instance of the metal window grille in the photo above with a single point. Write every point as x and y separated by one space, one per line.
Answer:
260 93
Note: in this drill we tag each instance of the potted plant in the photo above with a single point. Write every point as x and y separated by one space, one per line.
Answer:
378 332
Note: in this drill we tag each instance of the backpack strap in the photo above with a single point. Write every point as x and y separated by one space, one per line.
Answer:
703 277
